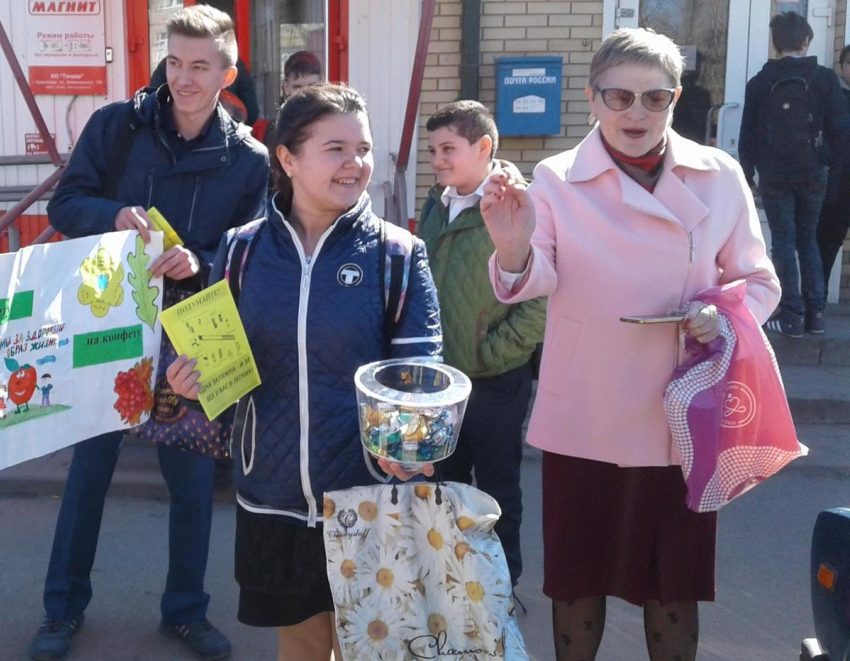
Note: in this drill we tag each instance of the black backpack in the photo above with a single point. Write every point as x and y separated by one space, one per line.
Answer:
789 133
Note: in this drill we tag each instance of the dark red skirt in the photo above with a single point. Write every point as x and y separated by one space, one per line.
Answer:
623 532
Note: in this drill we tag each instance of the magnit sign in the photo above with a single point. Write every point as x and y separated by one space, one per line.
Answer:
64 7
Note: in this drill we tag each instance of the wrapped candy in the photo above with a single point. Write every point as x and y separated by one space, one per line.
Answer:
411 409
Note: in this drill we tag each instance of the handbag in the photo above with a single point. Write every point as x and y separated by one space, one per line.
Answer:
727 408
417 572
172 423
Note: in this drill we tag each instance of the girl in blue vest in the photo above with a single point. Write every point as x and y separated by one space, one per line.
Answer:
312 301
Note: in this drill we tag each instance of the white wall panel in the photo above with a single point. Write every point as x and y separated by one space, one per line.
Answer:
64 115
382 45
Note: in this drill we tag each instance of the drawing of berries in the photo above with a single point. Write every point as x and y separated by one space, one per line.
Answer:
135 395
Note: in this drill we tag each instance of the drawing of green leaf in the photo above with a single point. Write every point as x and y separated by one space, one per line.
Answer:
140 279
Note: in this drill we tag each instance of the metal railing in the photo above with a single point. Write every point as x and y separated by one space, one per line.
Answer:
53 156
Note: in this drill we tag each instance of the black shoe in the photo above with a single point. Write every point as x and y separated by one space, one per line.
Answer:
201 637
786 323
53 640
815 321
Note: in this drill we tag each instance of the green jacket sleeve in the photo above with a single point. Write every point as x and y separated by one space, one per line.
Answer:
515 338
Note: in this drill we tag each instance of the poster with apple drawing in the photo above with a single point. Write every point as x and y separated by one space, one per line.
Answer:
79 341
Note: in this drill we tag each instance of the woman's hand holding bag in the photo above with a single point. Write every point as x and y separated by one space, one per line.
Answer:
702 322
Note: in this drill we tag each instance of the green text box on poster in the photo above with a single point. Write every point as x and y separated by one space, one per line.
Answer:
19 308
108 346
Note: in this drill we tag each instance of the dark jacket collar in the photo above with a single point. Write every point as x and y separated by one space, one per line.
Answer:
222 133
360 213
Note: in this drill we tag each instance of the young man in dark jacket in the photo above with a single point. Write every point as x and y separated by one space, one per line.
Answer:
794 114
205 174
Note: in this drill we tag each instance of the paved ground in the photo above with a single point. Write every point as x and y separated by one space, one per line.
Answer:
762 613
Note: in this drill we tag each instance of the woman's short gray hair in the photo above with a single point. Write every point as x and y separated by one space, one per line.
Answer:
637 46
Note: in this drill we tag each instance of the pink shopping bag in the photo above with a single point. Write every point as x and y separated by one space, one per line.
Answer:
727 407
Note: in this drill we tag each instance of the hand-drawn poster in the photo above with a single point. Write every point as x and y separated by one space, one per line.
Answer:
207 327
79 341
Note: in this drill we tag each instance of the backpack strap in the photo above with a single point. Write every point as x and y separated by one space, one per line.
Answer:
239 252
118 157
396 261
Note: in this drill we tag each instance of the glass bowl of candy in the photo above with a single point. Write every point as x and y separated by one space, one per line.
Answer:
411 409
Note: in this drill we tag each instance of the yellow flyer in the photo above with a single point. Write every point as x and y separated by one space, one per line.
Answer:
207 327
170 238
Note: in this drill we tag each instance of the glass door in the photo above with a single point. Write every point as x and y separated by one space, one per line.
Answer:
280 28
722 51
159 11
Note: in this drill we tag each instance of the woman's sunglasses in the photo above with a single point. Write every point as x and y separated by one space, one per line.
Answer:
653 100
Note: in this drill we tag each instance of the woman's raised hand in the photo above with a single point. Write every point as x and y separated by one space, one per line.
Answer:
509 216
183 378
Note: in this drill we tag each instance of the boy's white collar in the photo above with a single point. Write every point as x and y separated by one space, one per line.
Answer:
451 193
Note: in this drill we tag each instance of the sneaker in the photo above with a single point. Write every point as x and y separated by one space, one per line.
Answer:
786 323
53 640
201 637
815 322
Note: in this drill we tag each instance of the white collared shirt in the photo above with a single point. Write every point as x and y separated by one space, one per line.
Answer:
455 202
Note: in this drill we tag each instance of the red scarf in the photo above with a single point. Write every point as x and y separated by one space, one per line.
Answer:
648 165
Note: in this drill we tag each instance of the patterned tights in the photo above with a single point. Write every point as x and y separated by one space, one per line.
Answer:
672 630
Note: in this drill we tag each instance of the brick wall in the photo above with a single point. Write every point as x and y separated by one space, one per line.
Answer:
532 27
440 85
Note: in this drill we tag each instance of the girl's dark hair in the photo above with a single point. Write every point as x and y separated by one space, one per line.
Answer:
844 53
295 118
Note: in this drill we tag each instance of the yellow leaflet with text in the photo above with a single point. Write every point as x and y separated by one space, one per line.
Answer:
170 238
207 327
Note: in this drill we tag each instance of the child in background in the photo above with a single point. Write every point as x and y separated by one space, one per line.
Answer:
489 341
301 70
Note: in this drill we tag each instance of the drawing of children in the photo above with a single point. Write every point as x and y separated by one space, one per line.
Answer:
46 387
3 395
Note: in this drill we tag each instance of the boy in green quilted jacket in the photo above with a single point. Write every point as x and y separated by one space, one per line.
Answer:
488 340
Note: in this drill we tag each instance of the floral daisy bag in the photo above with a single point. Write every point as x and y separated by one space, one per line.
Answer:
417 572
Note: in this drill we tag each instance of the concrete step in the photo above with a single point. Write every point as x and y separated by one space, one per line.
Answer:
829 451
137 475
832 348
818 394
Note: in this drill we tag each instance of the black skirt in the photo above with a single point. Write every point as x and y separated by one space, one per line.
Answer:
280 568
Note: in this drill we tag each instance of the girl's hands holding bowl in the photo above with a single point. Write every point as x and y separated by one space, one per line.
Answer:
395 469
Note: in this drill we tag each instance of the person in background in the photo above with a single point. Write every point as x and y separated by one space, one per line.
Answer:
243 108
301 70
489 341
176 163
794 114
636 220
835 217
297 435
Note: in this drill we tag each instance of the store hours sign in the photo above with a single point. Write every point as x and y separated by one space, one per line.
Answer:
66 47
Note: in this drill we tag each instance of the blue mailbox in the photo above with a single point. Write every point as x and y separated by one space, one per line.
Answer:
528 95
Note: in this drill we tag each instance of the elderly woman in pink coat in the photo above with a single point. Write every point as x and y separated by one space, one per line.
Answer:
636 220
